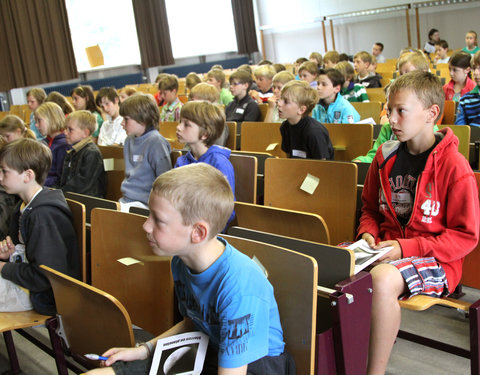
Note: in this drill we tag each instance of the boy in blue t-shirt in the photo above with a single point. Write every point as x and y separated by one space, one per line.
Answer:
332 107
217 287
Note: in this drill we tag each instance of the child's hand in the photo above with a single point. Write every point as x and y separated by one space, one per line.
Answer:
272 101
255 95
394 254
125 354
370 240
6 248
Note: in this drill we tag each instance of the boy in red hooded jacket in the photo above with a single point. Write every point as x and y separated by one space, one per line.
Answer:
420 197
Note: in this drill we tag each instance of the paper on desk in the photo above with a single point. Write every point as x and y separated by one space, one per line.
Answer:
128 261
271 146
109 164
369 120
310 184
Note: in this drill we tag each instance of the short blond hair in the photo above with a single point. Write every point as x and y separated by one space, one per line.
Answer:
191 80
475 60
209 117
283 77
266 71
346 69
425 85
364 56
302 93
418 60
199 192
205 91
332 56
218 75
310 67
53 115
317 56
84 120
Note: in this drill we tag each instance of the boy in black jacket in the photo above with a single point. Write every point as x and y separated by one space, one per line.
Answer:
83 170
41 230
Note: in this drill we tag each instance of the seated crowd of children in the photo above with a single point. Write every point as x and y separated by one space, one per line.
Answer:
191 202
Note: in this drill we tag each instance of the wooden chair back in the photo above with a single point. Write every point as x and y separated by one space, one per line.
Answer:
145 288
289 223
232 135
262 137
92 202
174 155
115 168
79 216
334 198
263 111
350 140
169 130
369 109
463 134
376 94
294 279
449 112
92 320
245 168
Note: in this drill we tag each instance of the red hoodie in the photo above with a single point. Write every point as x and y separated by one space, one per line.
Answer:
445 220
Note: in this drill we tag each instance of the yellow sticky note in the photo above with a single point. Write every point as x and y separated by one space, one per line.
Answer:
310 184
271 146
128 261
108 164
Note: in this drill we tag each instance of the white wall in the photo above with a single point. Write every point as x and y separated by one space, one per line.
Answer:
295 31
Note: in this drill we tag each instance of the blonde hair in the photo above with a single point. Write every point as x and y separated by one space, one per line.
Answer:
58 98
209 117
364 56
218 75
23 154
475 60
426 86
310 67
191 80
346 69
199 192
84 120
317 57
38 93
266 71
283 77
143 109
418 60
53 115
128 90
301 93
332 56
10 124
205 91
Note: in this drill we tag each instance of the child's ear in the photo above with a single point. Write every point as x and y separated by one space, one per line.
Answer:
302 109
433 113
468 70
337 89
29 175
199 232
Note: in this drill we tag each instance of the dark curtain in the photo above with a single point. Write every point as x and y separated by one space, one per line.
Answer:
244 26
153 33
35 43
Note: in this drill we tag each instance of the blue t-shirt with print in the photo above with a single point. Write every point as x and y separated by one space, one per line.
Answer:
233 303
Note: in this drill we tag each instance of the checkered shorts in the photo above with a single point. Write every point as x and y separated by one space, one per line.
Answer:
423 276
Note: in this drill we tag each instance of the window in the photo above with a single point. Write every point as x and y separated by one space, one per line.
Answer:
201 28
108 23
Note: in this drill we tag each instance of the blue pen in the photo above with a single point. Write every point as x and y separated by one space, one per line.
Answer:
96 357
